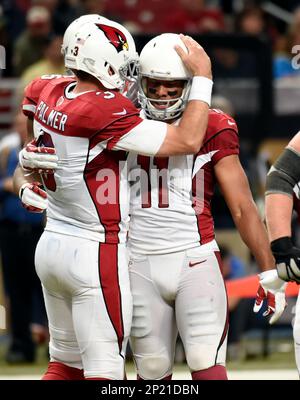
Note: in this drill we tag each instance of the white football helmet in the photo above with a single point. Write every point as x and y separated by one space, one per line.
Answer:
159 60
102 48
76 25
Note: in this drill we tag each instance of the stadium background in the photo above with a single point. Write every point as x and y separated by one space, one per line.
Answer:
257 80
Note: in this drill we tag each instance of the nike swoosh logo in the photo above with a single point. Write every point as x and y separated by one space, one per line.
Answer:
191 264
124 112
230 122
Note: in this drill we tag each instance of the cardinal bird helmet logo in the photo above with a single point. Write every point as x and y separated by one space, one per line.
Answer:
115 36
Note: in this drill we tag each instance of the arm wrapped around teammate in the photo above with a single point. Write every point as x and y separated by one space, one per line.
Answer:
287 258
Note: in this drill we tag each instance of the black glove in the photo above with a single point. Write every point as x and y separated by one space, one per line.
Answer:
287 258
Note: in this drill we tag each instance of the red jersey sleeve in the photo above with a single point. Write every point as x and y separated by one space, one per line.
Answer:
32 93
117 116
222 136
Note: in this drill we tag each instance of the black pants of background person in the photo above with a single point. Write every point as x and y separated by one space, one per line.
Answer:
22 287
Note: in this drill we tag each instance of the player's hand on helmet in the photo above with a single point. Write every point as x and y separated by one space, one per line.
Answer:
131 92
287 258
272 289
33 158
33 197
195 59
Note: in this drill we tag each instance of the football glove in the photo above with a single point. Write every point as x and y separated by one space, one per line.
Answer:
33 197
33 158
287 258
272 289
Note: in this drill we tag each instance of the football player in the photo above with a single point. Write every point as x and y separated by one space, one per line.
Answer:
83 127
175 265
282 181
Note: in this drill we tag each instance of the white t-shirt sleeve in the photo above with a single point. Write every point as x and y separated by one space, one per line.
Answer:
146 138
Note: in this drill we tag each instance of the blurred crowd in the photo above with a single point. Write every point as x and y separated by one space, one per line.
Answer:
31 30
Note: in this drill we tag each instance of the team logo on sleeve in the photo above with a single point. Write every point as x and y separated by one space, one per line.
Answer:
115 36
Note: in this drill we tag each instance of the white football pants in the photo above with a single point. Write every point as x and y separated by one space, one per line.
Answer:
88 302
183 292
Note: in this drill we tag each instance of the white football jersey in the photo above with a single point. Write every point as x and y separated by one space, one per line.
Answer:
88 194
170 204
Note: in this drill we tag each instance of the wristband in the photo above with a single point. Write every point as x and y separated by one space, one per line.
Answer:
201 89
268 273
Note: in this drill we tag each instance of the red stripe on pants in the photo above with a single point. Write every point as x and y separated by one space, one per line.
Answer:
109 280
226 326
